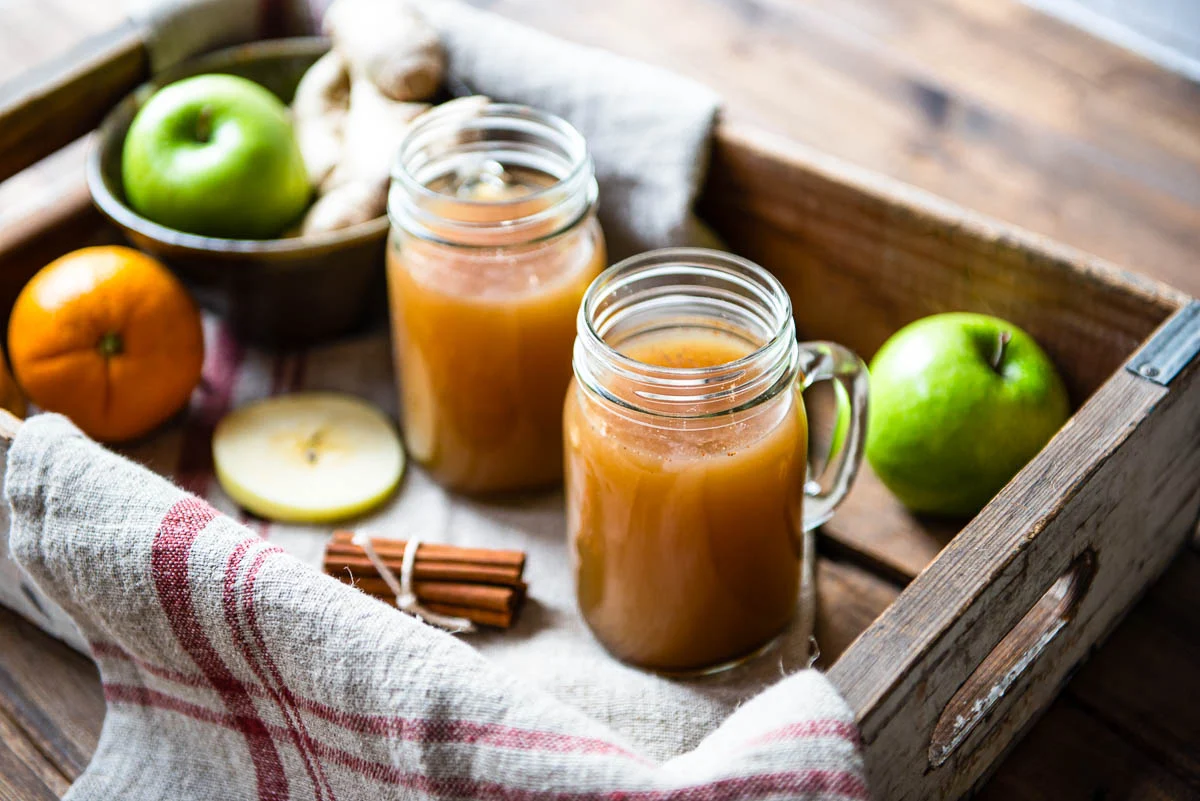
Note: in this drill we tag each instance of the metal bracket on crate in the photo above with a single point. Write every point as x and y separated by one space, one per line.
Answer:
1171 349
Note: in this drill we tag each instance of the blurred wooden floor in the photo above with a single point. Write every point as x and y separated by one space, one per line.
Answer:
984 102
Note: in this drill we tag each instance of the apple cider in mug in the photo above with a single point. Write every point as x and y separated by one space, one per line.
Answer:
686 448
494 241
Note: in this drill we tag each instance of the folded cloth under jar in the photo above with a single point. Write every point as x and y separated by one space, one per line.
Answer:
234 670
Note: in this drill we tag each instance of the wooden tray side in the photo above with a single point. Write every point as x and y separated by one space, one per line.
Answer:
1121 483
1117 490
863 255
53 105
1112 497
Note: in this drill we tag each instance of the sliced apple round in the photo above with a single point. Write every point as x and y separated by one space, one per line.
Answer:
312 457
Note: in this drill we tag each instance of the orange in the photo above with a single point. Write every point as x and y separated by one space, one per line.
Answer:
108 337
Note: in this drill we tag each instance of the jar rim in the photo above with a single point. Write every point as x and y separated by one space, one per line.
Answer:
575 188
767 368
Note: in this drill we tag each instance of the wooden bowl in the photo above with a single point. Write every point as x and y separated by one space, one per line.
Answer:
275 291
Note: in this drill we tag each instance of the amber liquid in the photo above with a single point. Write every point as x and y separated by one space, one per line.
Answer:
483 338
686 534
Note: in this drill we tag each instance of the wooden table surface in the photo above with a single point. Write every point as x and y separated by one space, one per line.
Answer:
984 102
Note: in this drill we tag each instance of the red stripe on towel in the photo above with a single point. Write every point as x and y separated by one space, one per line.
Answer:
752 786
471 732
278 692
465 731
809 729
169 566
142 696
109 650
288 697
400 728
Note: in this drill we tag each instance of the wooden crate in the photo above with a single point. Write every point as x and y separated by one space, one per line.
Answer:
947 640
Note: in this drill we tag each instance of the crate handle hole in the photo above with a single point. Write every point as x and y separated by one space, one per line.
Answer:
1011 658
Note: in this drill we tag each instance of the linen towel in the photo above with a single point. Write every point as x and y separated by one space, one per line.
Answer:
298 687
233 670
550 646
647 129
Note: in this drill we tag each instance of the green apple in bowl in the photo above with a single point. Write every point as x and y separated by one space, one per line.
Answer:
215 155
959 404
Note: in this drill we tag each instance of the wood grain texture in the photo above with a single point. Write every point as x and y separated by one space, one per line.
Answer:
1134 504
849 598
1024 643
990 104
1140 682
30 242
51 693
59 101
1072 756
1125 727
874 529
25 773
848 242
36 31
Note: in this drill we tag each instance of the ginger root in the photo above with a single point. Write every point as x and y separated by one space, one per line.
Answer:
389 43
344 206
354 105
372 134
319 114
355 190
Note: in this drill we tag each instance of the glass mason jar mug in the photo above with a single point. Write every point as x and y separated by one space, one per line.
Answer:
687 457
494 240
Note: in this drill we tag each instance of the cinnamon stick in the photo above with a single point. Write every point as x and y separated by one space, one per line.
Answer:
481 596
362 567
480 617
343 543
482 585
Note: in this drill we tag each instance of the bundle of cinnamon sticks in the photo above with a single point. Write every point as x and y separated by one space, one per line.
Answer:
482 585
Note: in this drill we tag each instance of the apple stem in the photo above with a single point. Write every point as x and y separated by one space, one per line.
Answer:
204 124
1001 345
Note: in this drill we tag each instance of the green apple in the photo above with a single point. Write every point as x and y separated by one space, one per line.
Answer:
959 403
215 155
841 428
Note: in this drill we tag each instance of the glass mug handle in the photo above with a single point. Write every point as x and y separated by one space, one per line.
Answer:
828 361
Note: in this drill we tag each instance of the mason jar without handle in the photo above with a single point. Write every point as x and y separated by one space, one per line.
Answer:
687 467
494 240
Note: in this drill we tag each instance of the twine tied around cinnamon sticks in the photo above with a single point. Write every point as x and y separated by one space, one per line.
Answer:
448 586
406 599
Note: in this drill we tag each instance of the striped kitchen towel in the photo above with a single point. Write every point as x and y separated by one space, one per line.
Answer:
235 671
550 646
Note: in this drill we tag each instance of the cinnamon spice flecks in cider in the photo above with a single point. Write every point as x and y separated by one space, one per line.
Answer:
686 533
